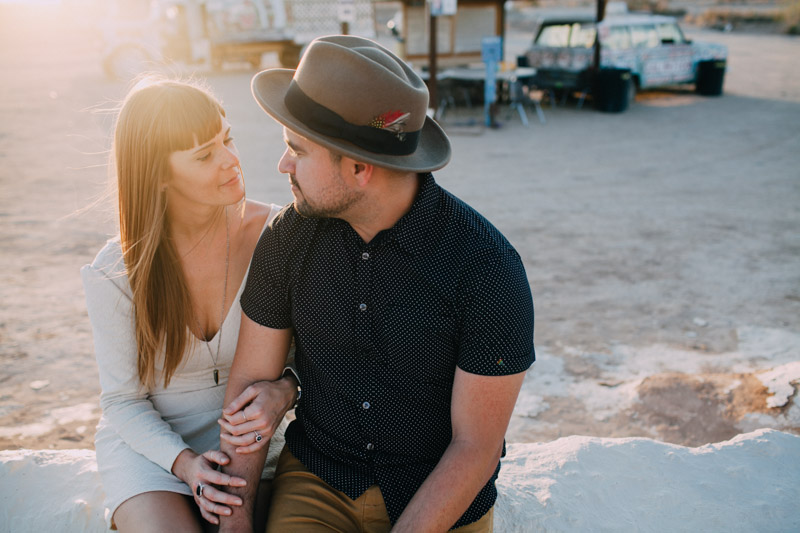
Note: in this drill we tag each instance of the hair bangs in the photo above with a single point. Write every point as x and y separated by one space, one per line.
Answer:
189 117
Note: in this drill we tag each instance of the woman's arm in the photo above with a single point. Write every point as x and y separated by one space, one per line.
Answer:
125 404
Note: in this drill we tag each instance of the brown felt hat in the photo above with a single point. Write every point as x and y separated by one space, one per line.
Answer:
356 98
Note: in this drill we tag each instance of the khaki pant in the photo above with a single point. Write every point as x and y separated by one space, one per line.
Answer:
302 502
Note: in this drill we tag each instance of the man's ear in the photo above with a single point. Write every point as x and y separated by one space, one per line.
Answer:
362 172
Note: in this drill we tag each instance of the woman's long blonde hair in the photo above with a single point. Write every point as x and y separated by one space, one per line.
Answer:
158 117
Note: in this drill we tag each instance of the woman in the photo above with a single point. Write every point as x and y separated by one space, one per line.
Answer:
163 299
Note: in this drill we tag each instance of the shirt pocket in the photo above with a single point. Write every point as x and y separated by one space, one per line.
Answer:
420 343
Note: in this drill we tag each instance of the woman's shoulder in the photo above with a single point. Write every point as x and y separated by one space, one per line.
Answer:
109 259
262 210
107 272
259 214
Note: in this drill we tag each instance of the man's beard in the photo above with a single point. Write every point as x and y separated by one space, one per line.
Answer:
344 201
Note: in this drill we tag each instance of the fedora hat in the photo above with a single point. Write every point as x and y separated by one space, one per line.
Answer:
356 98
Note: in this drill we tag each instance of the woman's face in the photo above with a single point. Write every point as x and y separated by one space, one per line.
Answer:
206 174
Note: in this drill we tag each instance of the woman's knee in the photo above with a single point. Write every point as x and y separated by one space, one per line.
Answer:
156 512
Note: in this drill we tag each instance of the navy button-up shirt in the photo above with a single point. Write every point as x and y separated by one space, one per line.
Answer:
380 328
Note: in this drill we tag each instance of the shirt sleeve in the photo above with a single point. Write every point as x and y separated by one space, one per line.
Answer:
497 323
265 299
125 404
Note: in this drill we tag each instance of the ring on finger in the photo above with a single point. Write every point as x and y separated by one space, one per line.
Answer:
258 436
245 416
199 490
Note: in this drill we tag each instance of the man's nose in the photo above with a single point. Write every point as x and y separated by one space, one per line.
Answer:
286 163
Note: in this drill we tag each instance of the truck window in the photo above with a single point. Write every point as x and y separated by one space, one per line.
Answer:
669 32
556 35
617 38
582 35
644 36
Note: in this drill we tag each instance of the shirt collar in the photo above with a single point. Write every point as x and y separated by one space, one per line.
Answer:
415 231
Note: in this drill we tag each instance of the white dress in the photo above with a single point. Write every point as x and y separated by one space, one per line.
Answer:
142 430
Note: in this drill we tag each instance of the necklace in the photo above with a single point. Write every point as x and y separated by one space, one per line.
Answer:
222 307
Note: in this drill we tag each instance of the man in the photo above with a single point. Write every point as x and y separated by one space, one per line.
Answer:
411 314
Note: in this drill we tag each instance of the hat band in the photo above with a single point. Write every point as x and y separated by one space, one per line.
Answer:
326 122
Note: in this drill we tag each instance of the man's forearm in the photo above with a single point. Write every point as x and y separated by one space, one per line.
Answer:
440 502
248 466
260 356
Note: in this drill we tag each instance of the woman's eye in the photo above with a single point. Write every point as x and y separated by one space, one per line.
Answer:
204 157
228 140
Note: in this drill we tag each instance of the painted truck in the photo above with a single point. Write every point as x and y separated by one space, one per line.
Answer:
652 47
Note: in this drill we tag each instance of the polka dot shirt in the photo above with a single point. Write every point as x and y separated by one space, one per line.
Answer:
380 328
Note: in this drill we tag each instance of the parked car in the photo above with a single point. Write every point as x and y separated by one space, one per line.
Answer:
652 48
140 34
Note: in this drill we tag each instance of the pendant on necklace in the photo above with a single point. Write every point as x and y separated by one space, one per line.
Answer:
216 376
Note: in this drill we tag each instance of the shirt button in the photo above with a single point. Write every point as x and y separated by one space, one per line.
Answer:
370 446
365 405
363 307
365 256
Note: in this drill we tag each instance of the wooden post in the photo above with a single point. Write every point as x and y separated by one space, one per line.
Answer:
346 11
601 10
432 70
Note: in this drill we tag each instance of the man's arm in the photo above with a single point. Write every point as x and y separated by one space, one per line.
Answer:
481 409
260 355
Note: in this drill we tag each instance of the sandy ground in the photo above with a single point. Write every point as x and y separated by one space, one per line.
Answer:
662 244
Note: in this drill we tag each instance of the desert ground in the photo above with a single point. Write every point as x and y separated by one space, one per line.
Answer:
662 245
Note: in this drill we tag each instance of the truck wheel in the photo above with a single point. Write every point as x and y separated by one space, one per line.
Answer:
613 89
710 76
632 88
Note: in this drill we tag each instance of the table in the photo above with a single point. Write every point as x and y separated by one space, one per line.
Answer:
479 74
514 79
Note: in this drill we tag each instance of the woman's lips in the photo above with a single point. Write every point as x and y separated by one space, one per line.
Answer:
234 180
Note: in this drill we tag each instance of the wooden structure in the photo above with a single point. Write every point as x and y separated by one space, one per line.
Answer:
458 37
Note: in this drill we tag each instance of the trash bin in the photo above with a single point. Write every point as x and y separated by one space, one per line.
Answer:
710 75
612 89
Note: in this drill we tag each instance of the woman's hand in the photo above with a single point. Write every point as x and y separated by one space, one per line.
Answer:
251 419
201 471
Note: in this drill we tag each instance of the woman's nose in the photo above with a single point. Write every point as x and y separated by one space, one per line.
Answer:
231 158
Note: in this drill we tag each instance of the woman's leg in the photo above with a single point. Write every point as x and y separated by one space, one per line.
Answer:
158 512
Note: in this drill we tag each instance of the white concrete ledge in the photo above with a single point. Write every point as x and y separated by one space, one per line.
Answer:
578 484
50 491
749 483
